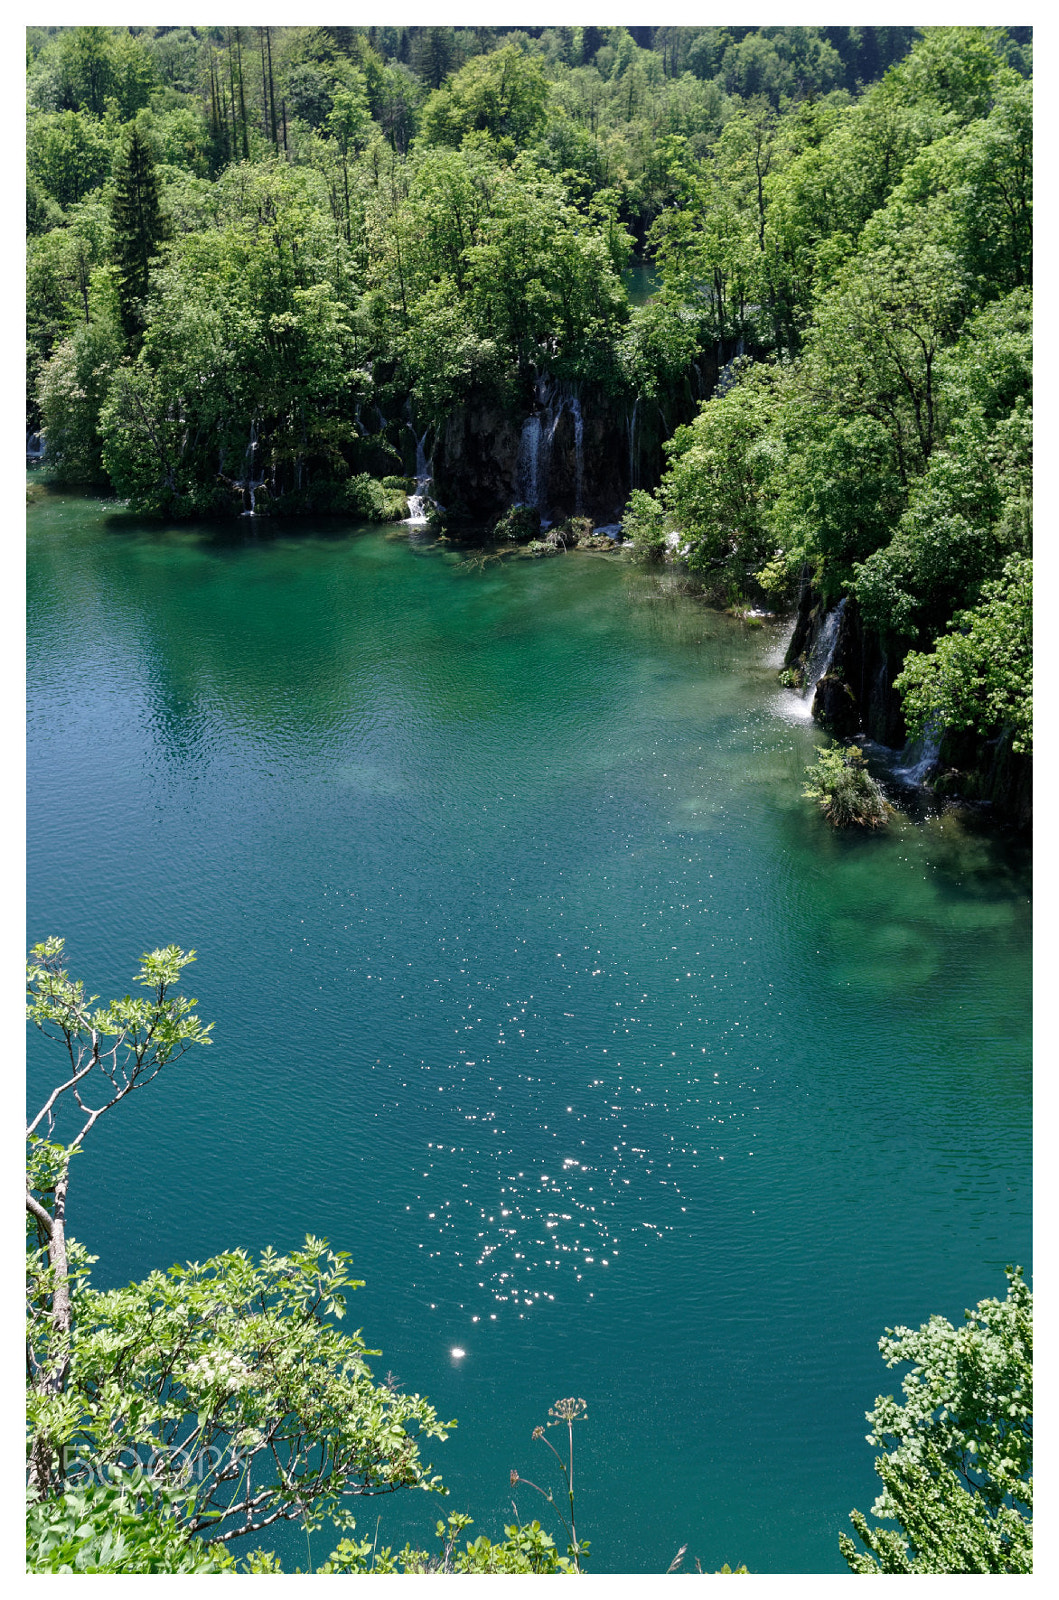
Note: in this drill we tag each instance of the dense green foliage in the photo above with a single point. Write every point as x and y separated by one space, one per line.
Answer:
844 789
112 1527
877 259
978 675
446 208
957 1473
265 263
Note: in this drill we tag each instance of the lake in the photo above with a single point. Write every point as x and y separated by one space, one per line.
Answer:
539 988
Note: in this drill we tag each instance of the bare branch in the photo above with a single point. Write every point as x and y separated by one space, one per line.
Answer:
45 1110
34 1207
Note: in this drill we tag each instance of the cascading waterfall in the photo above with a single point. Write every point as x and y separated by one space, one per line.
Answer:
919 757
528 467
579 451
632 443
911 767
418 502
823 651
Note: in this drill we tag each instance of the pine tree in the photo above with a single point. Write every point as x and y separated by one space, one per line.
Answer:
139 228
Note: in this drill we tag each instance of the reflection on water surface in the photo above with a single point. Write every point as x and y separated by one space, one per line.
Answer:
539 987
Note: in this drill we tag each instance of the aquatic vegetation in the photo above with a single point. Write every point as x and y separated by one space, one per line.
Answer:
845 790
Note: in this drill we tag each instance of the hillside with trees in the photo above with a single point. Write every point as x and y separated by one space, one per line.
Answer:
291 270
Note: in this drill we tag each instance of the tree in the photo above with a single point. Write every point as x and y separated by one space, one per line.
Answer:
504 94
86 68
216 1399
138 227
146 1034
73 387
542 279
959 1452
247 367
68 154
979 675
721 481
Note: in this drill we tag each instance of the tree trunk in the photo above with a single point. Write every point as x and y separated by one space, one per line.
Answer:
52 1379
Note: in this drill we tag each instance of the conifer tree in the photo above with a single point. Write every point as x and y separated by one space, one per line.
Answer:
139 228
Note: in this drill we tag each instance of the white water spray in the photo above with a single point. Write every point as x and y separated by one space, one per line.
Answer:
800 703
418 502
249 484
919 757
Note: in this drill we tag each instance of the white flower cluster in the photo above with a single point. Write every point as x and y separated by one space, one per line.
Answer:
220 1369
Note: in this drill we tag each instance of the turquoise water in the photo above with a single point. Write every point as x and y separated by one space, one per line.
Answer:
539 988
642 279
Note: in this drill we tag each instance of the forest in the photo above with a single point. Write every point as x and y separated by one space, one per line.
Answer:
748 307
287 270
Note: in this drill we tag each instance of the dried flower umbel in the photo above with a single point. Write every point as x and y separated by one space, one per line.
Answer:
570 1410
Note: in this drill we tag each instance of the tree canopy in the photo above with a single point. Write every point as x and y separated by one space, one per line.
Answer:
957 1472
265 264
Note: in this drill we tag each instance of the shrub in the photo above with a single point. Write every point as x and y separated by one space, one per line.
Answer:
374 501
571 531
644 522
519 522
844 788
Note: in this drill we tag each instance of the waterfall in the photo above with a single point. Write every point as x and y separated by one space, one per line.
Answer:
535 446
579 451
919 757
727 376
823 651
799 703
529 453
417 503
34 447
632 444
248 483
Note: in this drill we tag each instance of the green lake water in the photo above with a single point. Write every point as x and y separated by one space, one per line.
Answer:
539 988
642 279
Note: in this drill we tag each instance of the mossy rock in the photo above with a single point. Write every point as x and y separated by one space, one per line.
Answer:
835 705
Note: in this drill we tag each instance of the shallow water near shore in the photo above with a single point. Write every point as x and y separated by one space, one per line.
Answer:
539 988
